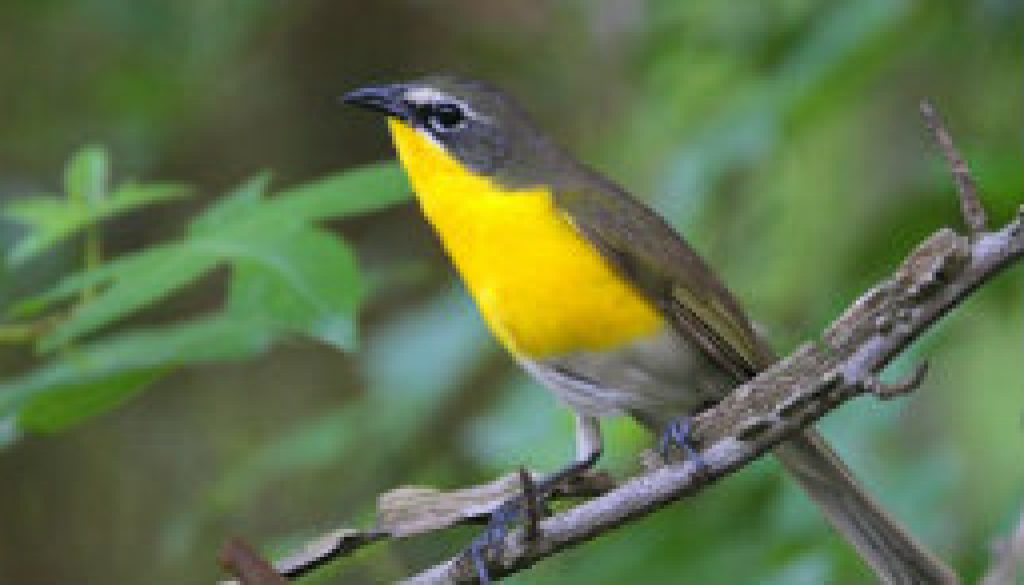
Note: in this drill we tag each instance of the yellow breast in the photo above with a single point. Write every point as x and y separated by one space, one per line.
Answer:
541 287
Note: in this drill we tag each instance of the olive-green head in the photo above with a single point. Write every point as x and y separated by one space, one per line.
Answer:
477 124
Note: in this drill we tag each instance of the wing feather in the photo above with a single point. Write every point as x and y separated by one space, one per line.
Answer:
645 249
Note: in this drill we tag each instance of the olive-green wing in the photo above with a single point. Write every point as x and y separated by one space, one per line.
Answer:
653 256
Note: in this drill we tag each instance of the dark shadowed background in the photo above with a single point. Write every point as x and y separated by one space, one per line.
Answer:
782 137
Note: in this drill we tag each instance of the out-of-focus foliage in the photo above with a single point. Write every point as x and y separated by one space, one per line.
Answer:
781 137
86 203
286 276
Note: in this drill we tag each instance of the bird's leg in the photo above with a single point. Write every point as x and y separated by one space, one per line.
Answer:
677 434
588 451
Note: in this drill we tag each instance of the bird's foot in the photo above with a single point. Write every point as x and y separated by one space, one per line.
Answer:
677 436
527 507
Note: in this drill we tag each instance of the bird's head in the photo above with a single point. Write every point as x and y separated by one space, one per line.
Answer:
473 122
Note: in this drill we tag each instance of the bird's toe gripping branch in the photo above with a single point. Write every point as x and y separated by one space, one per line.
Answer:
529 506
678 436
889 390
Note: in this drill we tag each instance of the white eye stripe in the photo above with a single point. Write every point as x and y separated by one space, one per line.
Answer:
471 113
422 96
426 95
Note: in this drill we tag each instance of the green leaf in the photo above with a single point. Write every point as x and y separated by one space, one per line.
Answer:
49 220
126 267
132 196
306 282
68 405
138 281
140 265
350 192
52 219
287 276
241 200
92 367
86 176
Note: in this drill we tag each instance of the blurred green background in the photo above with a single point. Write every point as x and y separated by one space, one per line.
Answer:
781 136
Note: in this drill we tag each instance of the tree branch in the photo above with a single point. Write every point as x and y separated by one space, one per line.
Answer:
813 380
794 393
970 204
242 561
816 378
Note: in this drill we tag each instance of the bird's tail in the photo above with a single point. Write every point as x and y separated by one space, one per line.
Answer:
892 552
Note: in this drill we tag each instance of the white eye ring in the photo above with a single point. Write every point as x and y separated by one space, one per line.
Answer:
446 117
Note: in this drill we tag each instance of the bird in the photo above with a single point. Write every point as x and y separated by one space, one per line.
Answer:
596 296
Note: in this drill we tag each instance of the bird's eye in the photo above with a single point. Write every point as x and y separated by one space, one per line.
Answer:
445 117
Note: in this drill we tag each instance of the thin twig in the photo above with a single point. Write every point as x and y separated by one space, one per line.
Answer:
973 211
242 561
888 390
408 511
532 504
757 416
818 377
325 549
791 395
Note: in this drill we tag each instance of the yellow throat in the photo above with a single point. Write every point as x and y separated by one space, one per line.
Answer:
542 287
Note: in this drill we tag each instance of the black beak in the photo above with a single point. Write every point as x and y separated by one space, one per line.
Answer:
380 98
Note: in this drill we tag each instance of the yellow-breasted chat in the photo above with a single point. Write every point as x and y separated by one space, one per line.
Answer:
594 294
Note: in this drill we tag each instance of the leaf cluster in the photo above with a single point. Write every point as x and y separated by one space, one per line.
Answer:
287 275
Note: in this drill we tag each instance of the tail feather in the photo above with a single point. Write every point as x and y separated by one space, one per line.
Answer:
896 557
